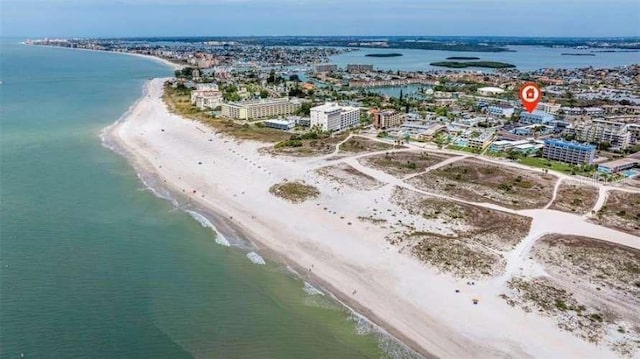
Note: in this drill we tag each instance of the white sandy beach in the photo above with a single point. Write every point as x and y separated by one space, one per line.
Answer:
349 257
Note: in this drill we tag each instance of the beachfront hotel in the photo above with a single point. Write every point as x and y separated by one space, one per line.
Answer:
257 109
568 152
333 117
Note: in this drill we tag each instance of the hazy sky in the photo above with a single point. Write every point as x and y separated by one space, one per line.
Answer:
52 18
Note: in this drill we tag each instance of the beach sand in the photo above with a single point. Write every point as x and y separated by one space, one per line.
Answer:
346 256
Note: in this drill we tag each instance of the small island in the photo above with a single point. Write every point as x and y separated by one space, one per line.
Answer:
463 58
392 54
465 64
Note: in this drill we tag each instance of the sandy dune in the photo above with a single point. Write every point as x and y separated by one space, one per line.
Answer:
347 256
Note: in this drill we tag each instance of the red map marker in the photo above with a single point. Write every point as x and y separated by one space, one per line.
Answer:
530 95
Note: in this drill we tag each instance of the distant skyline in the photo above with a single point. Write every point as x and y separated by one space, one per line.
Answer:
121 18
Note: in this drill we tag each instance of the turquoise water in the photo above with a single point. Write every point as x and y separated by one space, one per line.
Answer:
526 58
92 265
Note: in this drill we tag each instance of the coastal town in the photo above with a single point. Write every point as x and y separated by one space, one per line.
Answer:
587 124
397 178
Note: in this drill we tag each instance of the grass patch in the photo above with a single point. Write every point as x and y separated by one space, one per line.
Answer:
296 192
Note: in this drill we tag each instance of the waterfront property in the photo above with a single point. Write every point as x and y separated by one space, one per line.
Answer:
333 117
568 152
256 109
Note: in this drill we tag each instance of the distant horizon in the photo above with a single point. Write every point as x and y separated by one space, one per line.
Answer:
179 18
371 37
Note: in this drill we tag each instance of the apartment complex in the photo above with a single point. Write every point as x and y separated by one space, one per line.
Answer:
332 117
500 110
568 152
265 108
536 117
354 68
325 68
617 134
551 108
387 118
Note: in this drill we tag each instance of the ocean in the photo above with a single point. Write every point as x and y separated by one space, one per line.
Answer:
94 265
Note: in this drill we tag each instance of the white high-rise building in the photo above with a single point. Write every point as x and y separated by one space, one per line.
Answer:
332 117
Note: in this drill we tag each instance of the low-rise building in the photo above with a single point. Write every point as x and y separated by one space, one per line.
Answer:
333 117
387 118
616 166
568 152
536 117
355 68
284 125
551 108
500 110
256 109
490 91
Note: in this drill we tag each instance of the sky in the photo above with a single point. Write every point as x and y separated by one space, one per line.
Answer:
118 18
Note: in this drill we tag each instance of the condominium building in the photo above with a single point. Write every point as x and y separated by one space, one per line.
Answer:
359 68
536 117
332 117
617 134
387 118
551 108
480 140
260 108
568 152
208 98
500 110
325 68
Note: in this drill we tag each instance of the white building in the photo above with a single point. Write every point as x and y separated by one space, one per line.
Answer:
332 117
206 98
264 108
552 108
490 91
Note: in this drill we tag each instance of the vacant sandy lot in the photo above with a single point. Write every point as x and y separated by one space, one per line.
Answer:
401 164
479 181
346 175
472 246
576 198
361 145
593 289
621 211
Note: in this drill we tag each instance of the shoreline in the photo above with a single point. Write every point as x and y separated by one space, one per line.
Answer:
411 302
157 59
242 239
